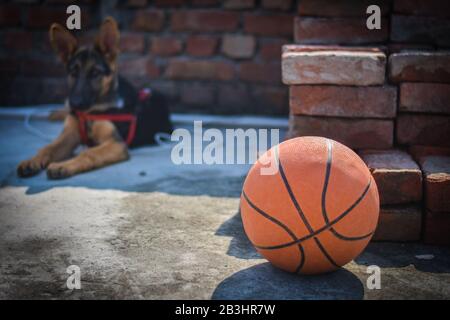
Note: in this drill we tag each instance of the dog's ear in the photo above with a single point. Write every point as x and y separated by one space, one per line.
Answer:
62 41
107 41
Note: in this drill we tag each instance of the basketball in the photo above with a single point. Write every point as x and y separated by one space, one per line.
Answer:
316 212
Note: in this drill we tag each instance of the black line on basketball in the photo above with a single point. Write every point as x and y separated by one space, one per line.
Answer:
325 253
283 226
303 259
325 227
327 179
267 216
324 197
301 214
355 204
342 237
293 199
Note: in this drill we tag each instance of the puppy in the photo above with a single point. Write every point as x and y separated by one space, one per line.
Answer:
106 112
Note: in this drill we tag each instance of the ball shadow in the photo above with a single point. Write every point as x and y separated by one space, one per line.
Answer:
240 246
265 282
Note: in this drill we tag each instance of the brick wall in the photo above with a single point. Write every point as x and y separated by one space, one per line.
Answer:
206 55
384 93
376 88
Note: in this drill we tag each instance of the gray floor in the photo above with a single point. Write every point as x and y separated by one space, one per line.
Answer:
149 229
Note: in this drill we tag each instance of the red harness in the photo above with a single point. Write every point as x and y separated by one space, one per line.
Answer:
83 117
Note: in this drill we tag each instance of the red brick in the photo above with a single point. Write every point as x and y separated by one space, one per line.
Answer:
54 90
437 228
166 46
309 30
293 48
418 151
434 8
132 42
138 67
336 65
340 8
9 15
268 24
42 68
277 4
205 3
406 47
425 97
169 88
153 70
32 87
43 17
10 66
420 67
399 223
355 133
344 101
233 98
197 94
201 45
148 20
270 99
199 69
238 4
398 177
271 49
136 3
38 90
204 20
238 46
421 129
260 72
59 2
436 171
18 40
170 3
427 30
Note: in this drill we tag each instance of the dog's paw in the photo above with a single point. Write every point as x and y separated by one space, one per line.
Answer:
32 167
56 171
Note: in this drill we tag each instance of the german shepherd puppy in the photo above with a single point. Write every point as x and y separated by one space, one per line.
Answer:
96 88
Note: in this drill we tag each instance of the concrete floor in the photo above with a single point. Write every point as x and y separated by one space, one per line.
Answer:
147 229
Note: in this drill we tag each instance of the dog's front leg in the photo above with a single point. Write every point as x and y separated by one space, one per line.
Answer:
107 153
58 150
110 149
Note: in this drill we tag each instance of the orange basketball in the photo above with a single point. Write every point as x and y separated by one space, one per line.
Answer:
316 212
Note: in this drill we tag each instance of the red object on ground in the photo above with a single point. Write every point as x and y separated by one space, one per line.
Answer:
83 117
143 95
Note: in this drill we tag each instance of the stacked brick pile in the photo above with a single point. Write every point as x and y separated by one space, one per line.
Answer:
207 56
436 170
384 93
340 92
